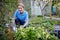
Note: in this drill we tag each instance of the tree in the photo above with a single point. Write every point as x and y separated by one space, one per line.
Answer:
42 4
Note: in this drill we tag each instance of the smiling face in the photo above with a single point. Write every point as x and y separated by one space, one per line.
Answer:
20 8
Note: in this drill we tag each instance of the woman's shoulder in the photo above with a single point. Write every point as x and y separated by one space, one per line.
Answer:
25 12
16 10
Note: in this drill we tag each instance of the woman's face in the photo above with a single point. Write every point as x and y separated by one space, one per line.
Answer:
21 9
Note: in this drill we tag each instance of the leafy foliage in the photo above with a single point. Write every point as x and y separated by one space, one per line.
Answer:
33 33
40 22
57 22
37 30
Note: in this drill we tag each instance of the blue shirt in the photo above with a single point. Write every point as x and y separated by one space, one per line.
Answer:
22 17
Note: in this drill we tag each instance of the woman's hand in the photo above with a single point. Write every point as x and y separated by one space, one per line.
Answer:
21 26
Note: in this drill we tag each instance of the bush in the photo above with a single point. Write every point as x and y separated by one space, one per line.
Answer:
33 33
40 22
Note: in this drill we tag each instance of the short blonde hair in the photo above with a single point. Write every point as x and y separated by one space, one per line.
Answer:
21 4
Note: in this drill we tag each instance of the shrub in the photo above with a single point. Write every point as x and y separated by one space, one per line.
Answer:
40 22
33 33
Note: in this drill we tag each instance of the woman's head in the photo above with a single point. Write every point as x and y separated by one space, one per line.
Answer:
20 7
